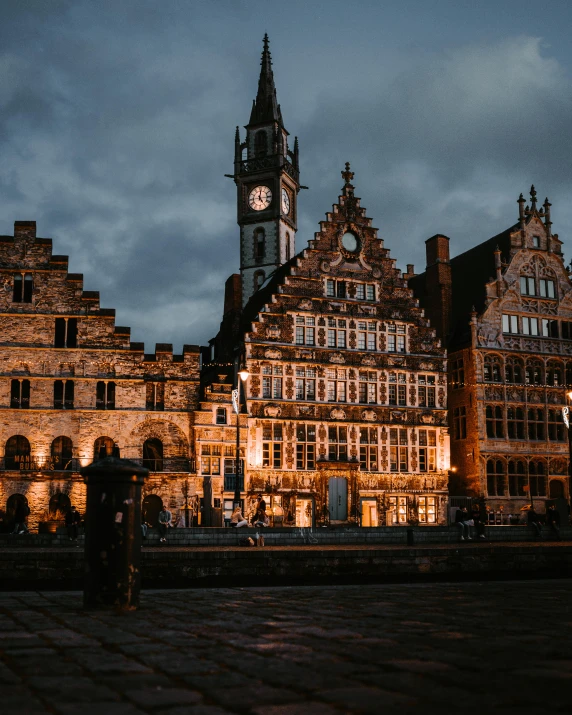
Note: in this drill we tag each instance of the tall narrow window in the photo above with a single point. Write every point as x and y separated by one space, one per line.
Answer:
457 373
337 443
28 288
18 288
399 450
337 384
66 333
260 144
537 479
20 394
105 395
515 422
516 479
272 445
555 426
153 454
460 422
259 278
288 250
427 450
306 383
495 478
220 417
63 394
306 446
368 449
368 387
535 424
61 453
495 422
259 244
547 288
155 396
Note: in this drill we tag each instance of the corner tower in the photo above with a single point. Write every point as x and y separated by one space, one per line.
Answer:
266 175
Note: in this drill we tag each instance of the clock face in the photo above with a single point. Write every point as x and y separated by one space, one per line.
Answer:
285 202
349 241
259 198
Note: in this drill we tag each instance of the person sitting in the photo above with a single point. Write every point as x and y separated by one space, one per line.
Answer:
461 521
261 518
237 519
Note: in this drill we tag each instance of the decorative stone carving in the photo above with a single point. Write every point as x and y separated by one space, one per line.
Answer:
368 360
272 411
337 414
306 410
325 267
369 415
272 354
305 305
338 358
427 419
272 332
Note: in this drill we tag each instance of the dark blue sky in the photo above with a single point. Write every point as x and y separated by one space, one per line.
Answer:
117 122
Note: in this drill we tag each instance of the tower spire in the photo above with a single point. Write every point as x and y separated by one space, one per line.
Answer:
266 107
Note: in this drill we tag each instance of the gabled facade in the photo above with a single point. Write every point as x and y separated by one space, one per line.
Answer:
347 389
504 309
73 384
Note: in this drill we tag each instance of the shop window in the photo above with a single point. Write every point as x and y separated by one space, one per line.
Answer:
427 510
103 447
61 453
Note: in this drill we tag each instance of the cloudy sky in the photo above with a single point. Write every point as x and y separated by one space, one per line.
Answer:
117 122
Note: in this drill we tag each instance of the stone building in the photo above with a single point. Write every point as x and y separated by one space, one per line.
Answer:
504 310
72 384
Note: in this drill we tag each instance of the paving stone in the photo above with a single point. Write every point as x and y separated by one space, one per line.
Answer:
159 697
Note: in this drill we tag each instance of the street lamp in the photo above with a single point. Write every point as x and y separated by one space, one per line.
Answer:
242 377
566 417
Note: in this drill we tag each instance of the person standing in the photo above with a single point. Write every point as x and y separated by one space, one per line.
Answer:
165 519
553 521
20 515
72 523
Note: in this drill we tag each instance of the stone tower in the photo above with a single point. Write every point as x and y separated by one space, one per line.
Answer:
266 176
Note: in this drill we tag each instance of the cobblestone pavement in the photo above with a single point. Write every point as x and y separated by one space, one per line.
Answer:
462 648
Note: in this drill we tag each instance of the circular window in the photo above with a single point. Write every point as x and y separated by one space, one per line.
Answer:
349 241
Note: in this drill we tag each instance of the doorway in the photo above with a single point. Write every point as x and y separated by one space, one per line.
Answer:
369 512
152 505
304 511
338 498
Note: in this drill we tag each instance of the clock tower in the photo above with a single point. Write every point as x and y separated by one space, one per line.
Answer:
266 175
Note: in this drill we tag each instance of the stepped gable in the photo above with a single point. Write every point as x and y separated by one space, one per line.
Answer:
333 254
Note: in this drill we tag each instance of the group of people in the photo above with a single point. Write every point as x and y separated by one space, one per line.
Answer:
259 517
478 517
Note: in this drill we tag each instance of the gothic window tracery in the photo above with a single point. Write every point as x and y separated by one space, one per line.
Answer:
492 368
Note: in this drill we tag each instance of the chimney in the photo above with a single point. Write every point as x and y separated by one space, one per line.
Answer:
439 285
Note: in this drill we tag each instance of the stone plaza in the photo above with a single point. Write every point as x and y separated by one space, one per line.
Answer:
470 647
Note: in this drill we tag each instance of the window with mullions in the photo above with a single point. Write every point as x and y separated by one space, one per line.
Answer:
272 382
337 384
427 510
368 449
457 373
549 328
515 422
397 393
555 374
272 445
527 286
427 450
537 479
305 446
337 333
535 424
367 336
220 416
259 244
20 394
396 338
556 426
365 291
305 330
426 390
530 326
335 289
492 369
154 396
495 478
460 422
514 371
65 333
337 443
534 373
306 383
510 324
566 327
210 458
495 422
398 510
517 479
368 387
105 395
63 394
398 450
547 288
23 288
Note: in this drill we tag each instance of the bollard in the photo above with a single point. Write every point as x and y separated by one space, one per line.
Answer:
113 533
410 537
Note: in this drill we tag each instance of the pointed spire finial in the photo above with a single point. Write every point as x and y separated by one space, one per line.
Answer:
533 197
347 175
266 107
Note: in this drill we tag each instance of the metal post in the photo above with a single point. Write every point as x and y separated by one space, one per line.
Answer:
113 533
237 461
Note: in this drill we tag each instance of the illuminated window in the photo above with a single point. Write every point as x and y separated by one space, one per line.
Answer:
427 450
426 390
210 459
368 449
398 450
305 446
427 510
337 443
272 445
398 510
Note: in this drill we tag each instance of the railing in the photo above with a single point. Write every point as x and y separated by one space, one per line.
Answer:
268 162
167 464
230 482
35 463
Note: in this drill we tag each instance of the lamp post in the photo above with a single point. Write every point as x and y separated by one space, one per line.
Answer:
566 417
242 377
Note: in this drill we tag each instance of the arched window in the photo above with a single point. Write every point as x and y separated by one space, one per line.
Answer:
153 454
495 478
534 373
259 244
516 478
556 426
105 395
288 253
62 453
12 504
220 416
492 369
259 279
537 479
554 374
514 371
260 143
495 422
103 447
535 424
59 505
17 454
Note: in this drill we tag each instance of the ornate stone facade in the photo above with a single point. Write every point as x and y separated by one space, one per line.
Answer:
506 314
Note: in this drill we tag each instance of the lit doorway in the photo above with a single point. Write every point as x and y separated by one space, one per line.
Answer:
369 512
304 511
